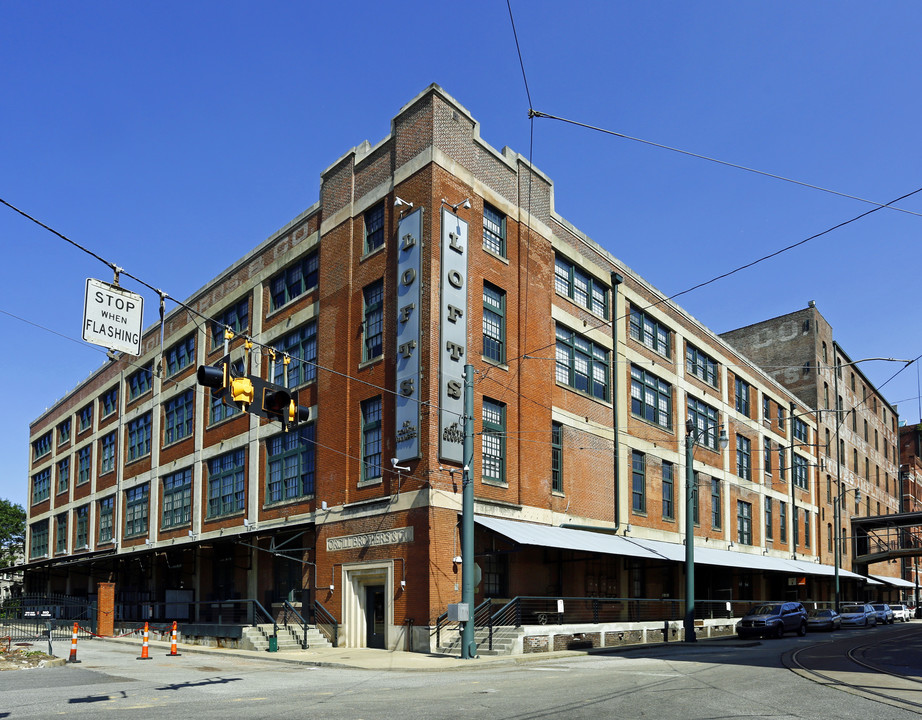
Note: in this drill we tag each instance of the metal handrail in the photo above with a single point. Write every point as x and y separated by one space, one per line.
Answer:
323 618
287 609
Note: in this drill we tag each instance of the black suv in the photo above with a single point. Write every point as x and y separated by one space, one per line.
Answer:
773 620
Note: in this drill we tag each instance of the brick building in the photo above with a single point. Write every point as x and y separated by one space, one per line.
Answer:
426 251
911 488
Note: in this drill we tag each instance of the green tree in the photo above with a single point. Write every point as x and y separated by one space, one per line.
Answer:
12 533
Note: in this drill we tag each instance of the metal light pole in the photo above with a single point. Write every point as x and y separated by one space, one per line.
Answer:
468 644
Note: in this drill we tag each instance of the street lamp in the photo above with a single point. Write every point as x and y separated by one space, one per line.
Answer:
692 436
836 511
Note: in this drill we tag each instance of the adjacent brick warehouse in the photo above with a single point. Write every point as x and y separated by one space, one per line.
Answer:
582 391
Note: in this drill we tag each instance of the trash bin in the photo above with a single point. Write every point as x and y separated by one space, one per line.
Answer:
273 643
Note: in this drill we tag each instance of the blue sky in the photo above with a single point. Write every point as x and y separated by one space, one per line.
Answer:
172 137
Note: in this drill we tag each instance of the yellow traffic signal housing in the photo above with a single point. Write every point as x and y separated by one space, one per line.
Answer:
241 390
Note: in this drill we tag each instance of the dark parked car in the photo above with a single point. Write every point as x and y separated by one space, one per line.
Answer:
884 613
773 620
858 614
823 620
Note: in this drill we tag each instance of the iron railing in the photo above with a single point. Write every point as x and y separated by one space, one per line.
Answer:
290 616
326 623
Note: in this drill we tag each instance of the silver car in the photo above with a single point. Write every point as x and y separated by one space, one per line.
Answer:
901 612
858 614
884 613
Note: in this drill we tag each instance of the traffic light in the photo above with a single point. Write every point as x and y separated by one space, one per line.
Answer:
216 377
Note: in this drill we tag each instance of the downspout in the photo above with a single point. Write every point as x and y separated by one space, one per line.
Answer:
616 280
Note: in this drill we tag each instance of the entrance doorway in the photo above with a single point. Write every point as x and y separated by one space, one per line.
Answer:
374 616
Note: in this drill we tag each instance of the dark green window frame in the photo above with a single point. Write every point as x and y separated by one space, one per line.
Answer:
226 492
494 323
581 364
371 439
494 230
236 317
650 332
41 486
178 416
136 507
177 498
705 420
373 324
139 437
651 398
493 441
291 465
701 365
743 457
556 457
580 287
374 227
638 482
139 383
180 356
295 280
668 475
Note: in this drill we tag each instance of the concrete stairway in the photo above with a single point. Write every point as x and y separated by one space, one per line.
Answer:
504 641
288 639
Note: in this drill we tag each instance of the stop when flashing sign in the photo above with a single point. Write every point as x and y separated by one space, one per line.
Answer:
113 317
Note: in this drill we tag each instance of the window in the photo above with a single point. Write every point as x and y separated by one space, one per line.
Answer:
742 397
668 491
829 538
581 364
294 281
374 228
82 539
41 486
651 398
494 323
556 457
136 510
371 439
716 510
700 365
236 317
828 442
781 417
829 488
373 328
494 230
39 545
64 475
799 471
64 432
743 457
795 516
783 519
806 528
826 395
291 464
800 430
638 482
854 414
766 408
769 530
60 533
782 470
177 417
301 345
107 461
181 355
139 437
105 519
583 289
85 418
767 455
84 460
110 401
865 431
825 353
139 383
177 498
225 484
42 446
853 382
704 418
867 469
855 461
651 333
876 447
493 446
744 522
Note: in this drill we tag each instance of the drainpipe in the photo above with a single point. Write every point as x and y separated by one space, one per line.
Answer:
616 280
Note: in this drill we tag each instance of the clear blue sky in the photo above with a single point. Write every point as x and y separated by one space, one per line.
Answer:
172 137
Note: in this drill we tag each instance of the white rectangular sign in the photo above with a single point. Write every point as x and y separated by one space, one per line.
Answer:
453 337
409 237
112 317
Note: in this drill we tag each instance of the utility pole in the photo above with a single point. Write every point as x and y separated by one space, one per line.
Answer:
468 645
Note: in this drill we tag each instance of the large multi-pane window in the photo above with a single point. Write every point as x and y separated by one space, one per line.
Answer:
236 317
38 547
105 519
556 457
744 522
295 280
85 418
704 418
84 464
373 330
371 439
139 383
702 366
769 519
800 430
136 510
581 364
494 230
650 332
301 345
107 456
494 323
177 498
743 457
742 397
139 437
41 486
668 491
638 482
291 464
807 528
493 445
651 398
109 401
180 356
60 533
583 289
41 446
767 455
225 483
64 431
799 471
374 227
177 416
64 475
716 505
82 532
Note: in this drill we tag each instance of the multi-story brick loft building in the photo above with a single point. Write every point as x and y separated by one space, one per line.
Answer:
856 426
911 484
585 378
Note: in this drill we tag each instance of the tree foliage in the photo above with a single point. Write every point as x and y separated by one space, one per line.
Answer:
12 533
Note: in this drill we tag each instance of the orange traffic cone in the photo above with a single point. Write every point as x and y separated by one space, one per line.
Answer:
145 653
172 652
73 647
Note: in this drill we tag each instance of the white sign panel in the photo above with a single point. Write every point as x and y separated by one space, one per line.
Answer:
112 317
453 337
409 237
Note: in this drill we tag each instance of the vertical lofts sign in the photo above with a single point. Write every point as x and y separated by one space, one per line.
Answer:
409 234
453 337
